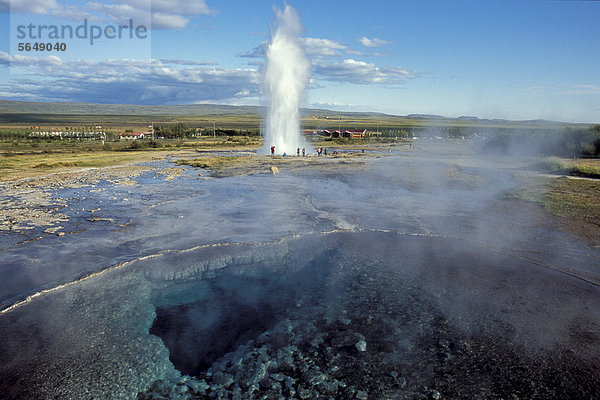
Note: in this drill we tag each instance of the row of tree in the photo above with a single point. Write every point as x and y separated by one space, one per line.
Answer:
567 142
182 131
517 141
424 132
560 142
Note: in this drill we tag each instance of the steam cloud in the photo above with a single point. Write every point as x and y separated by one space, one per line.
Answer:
287 72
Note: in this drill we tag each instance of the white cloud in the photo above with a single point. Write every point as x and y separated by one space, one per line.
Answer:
180 61
186 7
27 61
165 81
332 104
322 51
258 52
127 81
121 13
169 21
164 14
44 7
360 72
373 42
318 47
32 6
315 48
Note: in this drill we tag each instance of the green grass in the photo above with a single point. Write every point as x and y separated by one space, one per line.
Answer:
120 117
555 165
580 167
574 198
576 202
25 147
216 162
223 166
23 166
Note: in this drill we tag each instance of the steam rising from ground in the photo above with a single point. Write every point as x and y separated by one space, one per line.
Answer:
286 75
413 276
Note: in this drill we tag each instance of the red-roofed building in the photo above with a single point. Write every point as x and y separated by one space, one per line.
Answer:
344 134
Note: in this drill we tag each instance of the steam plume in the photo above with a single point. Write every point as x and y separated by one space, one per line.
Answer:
286 74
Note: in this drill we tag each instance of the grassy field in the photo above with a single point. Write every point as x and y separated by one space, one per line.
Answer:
216 163
34 159
26 166
575 201
222 166
574 198
59 146
30 159
373 123
18 119
576 167
120 117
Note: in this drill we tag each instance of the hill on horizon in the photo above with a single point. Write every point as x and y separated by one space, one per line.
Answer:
10 106
14 107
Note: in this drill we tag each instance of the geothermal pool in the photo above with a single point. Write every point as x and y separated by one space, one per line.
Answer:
408 277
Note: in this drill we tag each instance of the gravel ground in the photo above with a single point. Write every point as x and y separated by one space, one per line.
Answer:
374 332
31 203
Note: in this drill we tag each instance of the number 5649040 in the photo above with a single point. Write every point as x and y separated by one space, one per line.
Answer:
41 46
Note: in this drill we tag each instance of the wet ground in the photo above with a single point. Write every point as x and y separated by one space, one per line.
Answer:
408 277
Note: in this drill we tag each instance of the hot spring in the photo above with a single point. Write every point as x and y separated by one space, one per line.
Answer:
354 282
403 316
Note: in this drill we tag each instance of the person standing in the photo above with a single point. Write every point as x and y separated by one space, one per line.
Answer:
272 151
298 151
303 152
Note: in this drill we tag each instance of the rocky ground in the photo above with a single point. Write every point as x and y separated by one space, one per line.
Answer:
31 203
220 165
382 337
374 334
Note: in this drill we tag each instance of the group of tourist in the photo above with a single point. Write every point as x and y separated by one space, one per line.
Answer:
320 151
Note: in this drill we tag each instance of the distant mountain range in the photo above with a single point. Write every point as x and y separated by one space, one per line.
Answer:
9 106
26 107
57 108
425 116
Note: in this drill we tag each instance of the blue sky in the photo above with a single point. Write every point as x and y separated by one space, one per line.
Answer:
528 59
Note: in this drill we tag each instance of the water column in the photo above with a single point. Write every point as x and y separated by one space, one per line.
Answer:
286 75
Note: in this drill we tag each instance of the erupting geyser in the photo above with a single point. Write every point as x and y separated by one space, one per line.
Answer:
286 74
